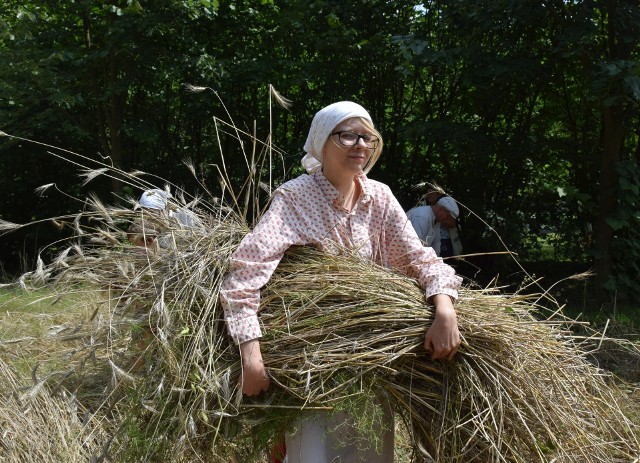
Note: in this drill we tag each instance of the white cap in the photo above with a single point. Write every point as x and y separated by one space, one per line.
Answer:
449 204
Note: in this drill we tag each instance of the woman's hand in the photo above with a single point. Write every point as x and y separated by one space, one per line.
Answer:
254 378
443 337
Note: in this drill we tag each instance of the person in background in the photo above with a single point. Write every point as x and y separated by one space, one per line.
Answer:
436 223
149 233
447 212
146 230
333 207
451 245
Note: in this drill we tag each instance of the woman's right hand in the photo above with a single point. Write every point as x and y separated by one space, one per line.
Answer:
254 378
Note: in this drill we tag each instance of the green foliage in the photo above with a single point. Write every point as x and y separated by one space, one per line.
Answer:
619 81
500 102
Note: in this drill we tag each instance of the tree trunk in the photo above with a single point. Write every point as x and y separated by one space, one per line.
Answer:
110 115
612 142
115 111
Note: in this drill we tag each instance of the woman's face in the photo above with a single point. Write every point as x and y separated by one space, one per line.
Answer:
338 159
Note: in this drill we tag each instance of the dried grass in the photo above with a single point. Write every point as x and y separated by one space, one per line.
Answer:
40 426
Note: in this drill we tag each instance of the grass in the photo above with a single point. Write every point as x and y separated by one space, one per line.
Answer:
504 358
31 324
33 313
38 425
36 330
41 329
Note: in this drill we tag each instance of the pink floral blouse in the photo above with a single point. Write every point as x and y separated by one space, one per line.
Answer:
307 211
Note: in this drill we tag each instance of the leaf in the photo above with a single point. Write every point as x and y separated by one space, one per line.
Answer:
617 224
333 20
613 100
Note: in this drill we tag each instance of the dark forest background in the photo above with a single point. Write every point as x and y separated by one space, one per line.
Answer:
527 112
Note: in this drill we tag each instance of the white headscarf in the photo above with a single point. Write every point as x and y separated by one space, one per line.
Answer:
323 123
154 199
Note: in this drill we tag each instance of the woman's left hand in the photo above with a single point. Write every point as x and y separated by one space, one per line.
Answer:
443 336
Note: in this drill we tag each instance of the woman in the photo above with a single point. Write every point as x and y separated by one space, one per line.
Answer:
335 206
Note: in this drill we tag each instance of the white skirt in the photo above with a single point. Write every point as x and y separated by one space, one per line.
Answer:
331 438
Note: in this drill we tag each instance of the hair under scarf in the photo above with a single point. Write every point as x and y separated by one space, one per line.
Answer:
322 125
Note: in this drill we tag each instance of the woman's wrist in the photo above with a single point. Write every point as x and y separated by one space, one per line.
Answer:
442 302
250 350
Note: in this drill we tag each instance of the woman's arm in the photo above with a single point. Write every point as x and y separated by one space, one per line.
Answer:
407 255
252 265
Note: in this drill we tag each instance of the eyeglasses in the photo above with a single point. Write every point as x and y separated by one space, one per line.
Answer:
348 138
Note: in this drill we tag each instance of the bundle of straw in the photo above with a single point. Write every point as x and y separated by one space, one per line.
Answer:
520 389
338 331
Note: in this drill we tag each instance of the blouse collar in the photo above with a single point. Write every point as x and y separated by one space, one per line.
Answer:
332 194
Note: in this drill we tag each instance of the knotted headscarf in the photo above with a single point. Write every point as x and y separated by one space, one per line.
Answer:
323 123
154 199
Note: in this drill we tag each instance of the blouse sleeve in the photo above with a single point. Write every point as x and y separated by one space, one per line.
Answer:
407 254
252 265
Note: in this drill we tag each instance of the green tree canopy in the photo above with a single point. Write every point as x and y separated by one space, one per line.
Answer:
525 111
